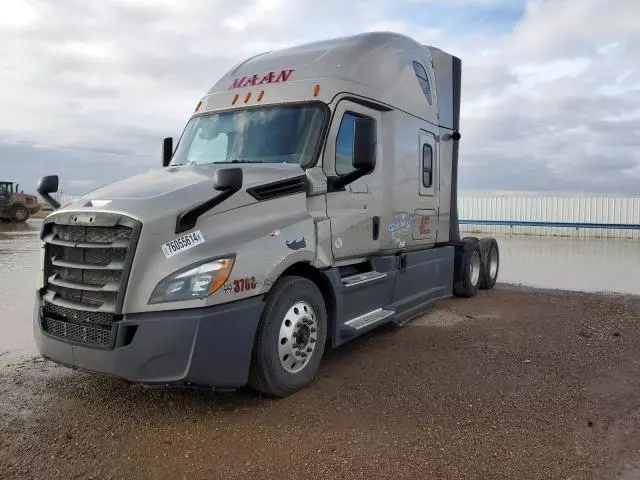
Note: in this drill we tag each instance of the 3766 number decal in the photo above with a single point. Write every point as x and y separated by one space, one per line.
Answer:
244 284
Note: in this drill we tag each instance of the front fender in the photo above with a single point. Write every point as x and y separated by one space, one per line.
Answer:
261 262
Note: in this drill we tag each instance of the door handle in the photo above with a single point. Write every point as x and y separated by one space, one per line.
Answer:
376 227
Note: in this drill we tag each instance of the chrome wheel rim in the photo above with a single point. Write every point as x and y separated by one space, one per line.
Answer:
493 263
298 337
474 268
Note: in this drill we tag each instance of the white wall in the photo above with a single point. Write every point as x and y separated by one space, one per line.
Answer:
549 207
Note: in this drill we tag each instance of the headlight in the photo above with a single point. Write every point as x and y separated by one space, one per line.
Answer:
194 282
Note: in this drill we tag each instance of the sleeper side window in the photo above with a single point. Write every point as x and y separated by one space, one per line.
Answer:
427 165
423 80
344 144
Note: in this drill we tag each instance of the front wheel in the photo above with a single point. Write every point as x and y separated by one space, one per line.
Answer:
290 339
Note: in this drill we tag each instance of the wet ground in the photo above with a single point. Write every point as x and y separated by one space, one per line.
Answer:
514 383
19 259
586 264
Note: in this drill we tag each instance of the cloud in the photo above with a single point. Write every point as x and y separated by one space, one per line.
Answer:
551 88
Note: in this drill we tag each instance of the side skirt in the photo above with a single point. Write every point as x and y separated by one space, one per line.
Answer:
392 288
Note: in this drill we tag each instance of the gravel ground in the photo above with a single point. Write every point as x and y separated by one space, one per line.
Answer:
514 383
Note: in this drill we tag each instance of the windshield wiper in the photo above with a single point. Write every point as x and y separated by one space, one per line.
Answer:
236 160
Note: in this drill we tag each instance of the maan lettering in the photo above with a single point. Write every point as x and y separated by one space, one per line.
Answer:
271 77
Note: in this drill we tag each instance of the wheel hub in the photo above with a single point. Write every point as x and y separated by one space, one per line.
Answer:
302 336
493 263
474 267
298 337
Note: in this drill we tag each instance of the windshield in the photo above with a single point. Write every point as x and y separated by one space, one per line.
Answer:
279 134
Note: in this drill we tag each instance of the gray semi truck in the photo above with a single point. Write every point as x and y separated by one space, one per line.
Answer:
310 198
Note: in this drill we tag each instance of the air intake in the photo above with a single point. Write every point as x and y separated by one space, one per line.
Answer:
281 188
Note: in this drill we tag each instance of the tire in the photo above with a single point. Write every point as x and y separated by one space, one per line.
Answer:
275 368
467 268
19 213
490 262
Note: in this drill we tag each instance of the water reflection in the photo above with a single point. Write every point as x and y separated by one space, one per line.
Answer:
19 257
571 263
30 226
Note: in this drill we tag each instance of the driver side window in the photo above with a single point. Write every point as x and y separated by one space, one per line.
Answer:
204 149
344 144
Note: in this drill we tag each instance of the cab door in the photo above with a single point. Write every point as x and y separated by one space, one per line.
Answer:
354 211
426 215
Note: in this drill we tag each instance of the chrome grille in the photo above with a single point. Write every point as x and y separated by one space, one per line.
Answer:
86 268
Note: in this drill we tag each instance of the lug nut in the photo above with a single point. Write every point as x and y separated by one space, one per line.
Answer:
312 340
313 330
309 349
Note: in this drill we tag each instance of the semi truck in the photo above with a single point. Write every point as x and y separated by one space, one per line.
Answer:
310 198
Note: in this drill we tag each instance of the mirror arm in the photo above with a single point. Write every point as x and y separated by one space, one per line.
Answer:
50 200
339 182
187 219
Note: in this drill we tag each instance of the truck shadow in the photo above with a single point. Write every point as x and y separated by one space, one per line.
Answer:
77 386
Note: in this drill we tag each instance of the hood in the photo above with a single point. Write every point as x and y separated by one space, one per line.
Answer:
169 190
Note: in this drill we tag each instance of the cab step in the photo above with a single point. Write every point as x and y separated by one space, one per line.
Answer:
370 319
362 278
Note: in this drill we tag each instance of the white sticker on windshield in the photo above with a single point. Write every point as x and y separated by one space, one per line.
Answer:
182 243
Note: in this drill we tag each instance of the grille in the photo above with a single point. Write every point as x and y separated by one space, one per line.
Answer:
85 273
78 333
80 316
92 234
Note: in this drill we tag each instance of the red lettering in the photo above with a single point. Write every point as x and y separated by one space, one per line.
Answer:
284 76
251 81
237 83
271 77
268 78
423 229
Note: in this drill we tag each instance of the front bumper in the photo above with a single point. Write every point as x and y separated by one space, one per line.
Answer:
209 347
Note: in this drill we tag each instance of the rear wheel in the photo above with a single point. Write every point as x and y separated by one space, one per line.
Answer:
19 213
467 268
291 338
490 262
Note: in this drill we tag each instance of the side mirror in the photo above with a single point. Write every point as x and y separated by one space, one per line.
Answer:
364 145
364 154
167 151
228 179
46 186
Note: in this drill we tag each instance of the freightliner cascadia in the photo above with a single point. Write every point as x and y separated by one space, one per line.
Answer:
310 198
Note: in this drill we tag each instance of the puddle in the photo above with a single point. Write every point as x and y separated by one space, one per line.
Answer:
584 264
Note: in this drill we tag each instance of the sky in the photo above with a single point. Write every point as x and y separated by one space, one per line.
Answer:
550 89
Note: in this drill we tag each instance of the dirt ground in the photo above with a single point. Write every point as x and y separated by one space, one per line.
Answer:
514 383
